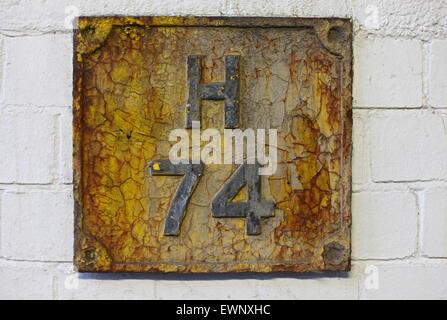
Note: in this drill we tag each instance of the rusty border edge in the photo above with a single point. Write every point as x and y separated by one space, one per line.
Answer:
322 26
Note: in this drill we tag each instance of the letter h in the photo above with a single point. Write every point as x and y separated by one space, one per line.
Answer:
228 90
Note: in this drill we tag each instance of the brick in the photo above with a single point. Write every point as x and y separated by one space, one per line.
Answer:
40 14
388 73
423 19
331 287
2 61
72 285
302 8
38 70
407 280
66 147
360 149
37 225
434 242
27 141
218 289
44 16
416 18
24 280
384 225
281 287
438 74
408 146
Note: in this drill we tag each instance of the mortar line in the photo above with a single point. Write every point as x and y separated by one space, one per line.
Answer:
33 185
424 75
36 261
420 202
8 107
2 68
361 32
55 286
410 258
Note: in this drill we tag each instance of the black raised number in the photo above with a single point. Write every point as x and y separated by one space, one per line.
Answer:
246 174
253 209
192 174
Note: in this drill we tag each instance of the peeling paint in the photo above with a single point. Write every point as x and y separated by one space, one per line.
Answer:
130 91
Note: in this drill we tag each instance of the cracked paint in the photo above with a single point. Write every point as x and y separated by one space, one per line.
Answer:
130 91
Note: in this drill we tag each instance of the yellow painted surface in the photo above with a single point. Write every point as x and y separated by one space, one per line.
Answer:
131 91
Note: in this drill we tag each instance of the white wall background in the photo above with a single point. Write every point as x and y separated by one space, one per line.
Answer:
399 166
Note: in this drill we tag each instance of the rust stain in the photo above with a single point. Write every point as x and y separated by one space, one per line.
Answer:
130 90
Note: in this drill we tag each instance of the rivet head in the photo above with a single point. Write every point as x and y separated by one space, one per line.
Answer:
334 253
89 254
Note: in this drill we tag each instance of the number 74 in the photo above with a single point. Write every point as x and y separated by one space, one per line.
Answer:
221 206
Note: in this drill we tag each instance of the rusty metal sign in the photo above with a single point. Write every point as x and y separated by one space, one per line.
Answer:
212 144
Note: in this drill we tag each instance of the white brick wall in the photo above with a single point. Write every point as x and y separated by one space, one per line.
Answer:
69 285
425 279
42 64
399 233
27 146
408 145
437 71
66 149
384 225
388 73
435 223
35 225
26 280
